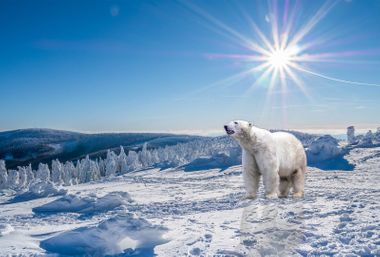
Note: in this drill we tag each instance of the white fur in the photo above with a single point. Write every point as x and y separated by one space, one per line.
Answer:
278 157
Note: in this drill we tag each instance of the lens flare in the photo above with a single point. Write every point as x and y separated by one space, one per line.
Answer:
281 57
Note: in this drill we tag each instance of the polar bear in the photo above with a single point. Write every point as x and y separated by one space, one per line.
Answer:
279 157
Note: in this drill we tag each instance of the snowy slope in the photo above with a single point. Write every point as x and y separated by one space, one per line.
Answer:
177 213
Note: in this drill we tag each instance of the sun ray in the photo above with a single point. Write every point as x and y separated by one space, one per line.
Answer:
283 96
288 23
247 42
263 76
298 82
261 35
274 22
241 57
320 14
343 81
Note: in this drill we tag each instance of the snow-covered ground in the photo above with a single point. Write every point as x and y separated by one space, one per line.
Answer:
202 213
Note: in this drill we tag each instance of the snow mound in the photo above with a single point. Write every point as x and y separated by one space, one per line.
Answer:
123 233
325 153
39 189
5 229
85 204
323 148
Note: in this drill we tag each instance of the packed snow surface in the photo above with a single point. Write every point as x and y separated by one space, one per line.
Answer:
200 213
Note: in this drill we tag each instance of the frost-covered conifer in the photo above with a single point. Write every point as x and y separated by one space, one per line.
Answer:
70 174
133 161
3 175
56 172
122 161
29 175
145 156
13 179
102 167
85 170
22 177
93 172
111 164
43 172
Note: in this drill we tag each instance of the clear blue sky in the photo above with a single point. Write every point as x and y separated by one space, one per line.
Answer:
153 65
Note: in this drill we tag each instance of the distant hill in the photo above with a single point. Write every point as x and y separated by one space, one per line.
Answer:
24 146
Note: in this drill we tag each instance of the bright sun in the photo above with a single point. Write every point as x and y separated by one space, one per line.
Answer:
279 59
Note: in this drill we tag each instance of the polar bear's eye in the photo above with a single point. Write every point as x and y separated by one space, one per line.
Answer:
235 122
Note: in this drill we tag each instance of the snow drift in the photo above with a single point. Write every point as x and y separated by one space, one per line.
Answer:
39 189
85 204
123 233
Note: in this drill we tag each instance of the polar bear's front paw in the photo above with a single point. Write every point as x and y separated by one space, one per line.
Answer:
271 195
298 195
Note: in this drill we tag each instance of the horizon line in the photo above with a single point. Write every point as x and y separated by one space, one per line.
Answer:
209 132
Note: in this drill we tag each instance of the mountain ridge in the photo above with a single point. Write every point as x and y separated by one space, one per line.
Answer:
24 146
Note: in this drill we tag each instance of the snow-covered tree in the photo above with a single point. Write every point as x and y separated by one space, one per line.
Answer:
133 161
102 167
145 156
70 174
93 172
3 175
122 161
13 179
29 174
84 169
43 172
88 170
111 164
56 172
23 180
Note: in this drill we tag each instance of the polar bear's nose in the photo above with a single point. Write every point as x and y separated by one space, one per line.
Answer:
225 127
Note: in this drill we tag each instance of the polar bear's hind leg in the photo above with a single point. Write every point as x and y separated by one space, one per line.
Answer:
298 180
284 188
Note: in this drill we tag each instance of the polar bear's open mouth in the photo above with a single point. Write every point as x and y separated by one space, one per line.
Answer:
229 131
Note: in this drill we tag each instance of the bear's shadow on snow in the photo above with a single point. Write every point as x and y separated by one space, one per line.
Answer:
338 163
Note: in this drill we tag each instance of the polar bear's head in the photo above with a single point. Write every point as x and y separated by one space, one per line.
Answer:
238 128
